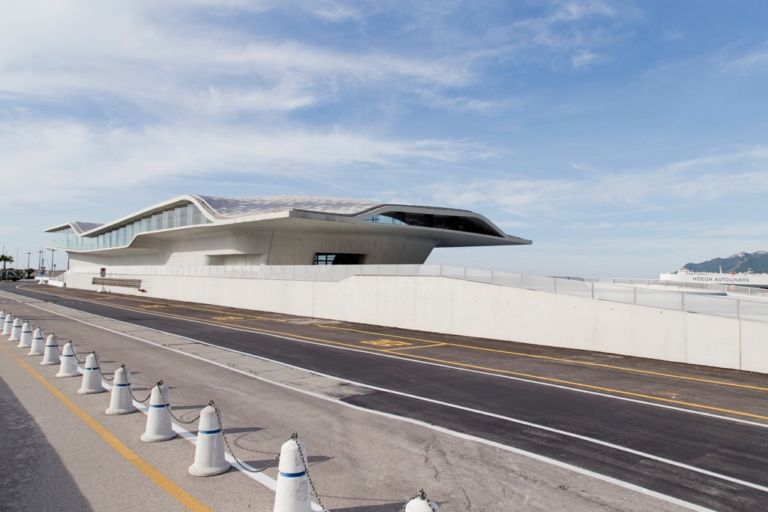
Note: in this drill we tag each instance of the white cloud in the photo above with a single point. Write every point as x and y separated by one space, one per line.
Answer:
82 160
695 181
584 59
754 58
143 55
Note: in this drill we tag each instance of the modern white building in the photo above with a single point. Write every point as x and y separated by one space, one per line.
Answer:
195 230
272 254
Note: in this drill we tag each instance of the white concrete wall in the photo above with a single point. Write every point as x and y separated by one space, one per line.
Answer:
240 244
452 306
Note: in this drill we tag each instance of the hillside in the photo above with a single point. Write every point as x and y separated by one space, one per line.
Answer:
740 262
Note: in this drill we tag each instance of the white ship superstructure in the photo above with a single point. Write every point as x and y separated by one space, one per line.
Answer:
721 278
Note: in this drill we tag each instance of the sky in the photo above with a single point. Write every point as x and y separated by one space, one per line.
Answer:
625 138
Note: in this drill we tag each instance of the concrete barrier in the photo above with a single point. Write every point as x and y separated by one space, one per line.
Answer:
209 448
420 503
7 324
51 353
91 382
292 490
468 308
15 330
68 364
37 347
25 338
120 400
159 426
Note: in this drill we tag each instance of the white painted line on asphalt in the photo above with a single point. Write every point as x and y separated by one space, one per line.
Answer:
518 451
390 356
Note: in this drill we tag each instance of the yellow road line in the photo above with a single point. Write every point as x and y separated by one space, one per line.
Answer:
165 483
586 386
151 301
459 364
418 346
559 359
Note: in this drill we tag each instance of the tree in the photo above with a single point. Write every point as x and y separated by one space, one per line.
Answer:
5 259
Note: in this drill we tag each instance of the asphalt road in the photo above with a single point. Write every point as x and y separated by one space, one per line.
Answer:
711 461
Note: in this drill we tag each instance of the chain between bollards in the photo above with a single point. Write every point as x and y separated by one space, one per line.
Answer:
295 438
74 352
243 465
98 361
168 408
149 395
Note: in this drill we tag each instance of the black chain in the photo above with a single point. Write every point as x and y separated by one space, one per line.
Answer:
168 407
98 362
246 467
74 352
295 438
130 388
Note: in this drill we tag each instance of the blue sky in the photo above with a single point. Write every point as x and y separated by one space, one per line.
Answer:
625 138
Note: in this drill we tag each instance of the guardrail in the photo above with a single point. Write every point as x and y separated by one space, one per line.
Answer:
627 291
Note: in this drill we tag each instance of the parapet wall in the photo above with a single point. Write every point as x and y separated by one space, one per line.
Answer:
453 306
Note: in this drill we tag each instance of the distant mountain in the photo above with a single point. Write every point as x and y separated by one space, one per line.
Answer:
740 262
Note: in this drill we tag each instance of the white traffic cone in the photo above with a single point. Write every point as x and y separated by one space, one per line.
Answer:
7 323
68 365
91 376
51 354
292 491
159 426
25 340
420 503
120 401
38 343
209 449
15 330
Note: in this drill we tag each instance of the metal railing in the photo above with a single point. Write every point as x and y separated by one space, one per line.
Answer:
628 291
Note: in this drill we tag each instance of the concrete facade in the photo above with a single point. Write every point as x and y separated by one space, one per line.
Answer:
201 230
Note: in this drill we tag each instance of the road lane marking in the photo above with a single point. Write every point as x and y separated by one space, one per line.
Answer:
386 343
518 376
603 389
417 346
559 359
511 449
165 483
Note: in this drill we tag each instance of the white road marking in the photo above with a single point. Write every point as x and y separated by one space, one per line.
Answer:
406 359
525 453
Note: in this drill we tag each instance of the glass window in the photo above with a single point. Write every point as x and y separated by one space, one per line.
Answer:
170 219
157 221
196 216
323 259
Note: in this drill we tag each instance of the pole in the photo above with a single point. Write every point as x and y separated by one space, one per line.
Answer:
29 254
52 266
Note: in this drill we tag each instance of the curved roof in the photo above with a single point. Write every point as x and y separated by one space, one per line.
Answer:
226 210
245 206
